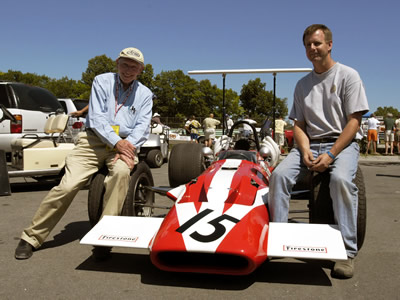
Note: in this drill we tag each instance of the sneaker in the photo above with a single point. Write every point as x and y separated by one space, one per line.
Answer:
344 268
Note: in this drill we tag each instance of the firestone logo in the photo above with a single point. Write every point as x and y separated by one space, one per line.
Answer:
305 249
119 238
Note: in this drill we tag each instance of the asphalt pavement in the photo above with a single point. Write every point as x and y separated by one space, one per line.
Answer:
64 269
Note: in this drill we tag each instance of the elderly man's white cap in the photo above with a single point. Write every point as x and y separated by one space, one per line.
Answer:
132 53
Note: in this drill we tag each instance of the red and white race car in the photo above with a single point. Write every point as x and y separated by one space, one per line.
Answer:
219 222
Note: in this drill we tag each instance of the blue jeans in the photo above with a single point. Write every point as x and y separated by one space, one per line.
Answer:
343 191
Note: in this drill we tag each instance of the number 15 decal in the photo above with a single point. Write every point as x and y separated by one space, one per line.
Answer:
219 229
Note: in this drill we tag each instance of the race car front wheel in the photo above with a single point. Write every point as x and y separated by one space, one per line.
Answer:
139 199
95 196
186 162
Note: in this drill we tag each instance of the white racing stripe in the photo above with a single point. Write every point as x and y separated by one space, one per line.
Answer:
205 233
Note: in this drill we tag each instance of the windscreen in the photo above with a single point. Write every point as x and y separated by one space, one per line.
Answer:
35 98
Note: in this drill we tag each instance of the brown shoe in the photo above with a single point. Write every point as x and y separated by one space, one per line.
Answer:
24 250
343 268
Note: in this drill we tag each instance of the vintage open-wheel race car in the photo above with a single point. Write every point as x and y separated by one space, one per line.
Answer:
219 220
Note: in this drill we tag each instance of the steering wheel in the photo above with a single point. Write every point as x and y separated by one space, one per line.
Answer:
255 140
153 124
233 155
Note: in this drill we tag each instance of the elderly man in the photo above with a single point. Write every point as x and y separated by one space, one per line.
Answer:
327 110
117 125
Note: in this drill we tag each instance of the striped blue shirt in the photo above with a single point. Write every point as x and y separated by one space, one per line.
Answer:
133 117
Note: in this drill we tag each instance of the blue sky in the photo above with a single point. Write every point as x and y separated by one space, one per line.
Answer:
57 38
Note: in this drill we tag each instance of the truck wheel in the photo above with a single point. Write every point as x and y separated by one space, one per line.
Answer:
186 162
139 198
154 158
321 203
95 196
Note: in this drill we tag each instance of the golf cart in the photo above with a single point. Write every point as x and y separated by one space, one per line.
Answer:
155 150
41 158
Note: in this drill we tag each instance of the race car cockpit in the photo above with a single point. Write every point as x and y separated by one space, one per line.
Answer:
235 145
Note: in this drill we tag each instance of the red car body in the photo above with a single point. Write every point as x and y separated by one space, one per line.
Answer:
219 223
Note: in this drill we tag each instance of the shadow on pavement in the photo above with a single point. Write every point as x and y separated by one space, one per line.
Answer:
388 175
70 233
23 187
275 271
35 186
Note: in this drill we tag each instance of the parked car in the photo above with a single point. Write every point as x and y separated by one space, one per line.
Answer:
30 105
75 124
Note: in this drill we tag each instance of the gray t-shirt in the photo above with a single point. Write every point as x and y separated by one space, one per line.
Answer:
324 101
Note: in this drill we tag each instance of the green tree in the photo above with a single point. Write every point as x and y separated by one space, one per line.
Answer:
383 111
258 103
212 101
206 99
175 93
67 88
27 78
147 76
98 65
61 88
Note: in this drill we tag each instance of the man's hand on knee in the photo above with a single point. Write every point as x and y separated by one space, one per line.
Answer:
130 162
126 148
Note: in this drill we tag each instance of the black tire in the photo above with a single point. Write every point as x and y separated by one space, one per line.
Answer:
320 205
321 211
140 176
186 162
95 196
138 195
362 208
154 158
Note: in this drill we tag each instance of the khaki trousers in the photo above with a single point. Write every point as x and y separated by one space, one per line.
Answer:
89 155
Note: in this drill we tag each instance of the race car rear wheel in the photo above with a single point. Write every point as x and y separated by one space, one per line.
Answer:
95 196
186 162
139 199
136 197
320 206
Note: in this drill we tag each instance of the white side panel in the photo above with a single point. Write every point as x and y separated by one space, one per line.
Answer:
116 231
317 241
46 158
